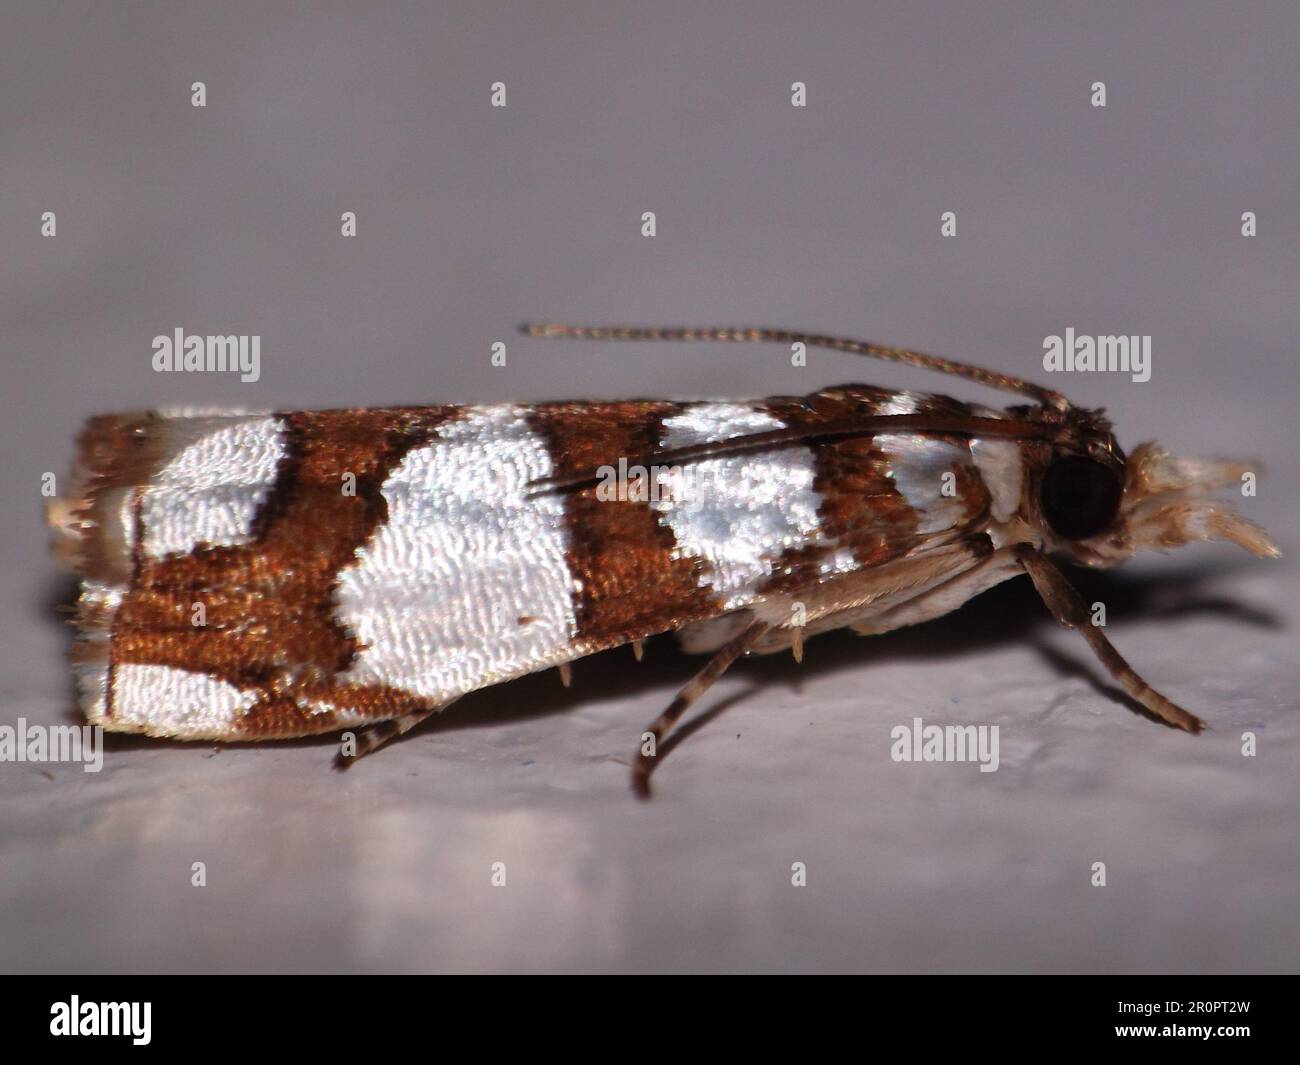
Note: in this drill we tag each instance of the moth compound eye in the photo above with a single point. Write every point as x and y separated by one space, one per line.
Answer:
1080 497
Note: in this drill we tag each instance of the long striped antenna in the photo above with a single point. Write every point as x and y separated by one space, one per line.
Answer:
1002 382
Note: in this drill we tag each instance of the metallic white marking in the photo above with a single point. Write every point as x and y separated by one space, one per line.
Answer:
177 702
1002 467
917 465
743 510
102 596
900 403
842 561
436 596
212 489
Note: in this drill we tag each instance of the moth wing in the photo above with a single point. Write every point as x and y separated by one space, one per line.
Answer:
257 576
207 546
784 532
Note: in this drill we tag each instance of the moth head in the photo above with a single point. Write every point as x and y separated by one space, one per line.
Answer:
1103 508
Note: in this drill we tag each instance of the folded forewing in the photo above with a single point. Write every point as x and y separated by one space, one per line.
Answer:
284 574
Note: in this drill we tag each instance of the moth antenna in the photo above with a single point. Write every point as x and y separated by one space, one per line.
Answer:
1000 381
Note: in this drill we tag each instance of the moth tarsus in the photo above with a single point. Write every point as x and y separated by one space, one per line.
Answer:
1068 607
702 681
374 737
477 544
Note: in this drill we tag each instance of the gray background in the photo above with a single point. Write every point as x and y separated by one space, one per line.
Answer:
471 219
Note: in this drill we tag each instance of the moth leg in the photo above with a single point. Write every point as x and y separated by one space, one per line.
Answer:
697 686
1070 610
378 734
974 576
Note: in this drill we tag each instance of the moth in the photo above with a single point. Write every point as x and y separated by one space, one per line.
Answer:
257 576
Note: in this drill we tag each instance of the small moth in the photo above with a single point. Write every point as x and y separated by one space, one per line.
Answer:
262 576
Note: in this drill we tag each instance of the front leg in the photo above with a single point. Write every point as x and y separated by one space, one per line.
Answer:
1070 610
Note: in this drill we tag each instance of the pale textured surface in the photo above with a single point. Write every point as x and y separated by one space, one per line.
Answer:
464 554
740 512
160 699
226 220
211 490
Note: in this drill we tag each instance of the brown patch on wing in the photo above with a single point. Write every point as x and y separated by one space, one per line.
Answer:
861 508
270 614
270 618
630 582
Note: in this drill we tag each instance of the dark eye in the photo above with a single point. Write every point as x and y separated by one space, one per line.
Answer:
1080 497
